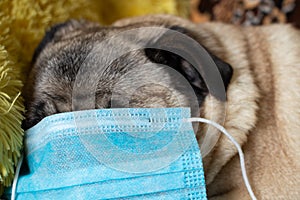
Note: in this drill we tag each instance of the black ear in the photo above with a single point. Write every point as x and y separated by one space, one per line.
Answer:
61 30
187 70
224 68
183 67
47 39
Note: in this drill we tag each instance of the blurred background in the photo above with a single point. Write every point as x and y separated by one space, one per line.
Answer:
246 12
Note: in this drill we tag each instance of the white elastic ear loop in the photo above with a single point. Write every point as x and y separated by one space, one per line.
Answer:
241 154
15 181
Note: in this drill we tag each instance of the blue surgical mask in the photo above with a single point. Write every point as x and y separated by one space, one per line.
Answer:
132 153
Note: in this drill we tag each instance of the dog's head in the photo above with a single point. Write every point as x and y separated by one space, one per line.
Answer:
79 60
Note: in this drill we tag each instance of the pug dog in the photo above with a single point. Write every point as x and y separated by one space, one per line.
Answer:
259 68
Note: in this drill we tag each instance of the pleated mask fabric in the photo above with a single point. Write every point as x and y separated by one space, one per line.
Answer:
126 153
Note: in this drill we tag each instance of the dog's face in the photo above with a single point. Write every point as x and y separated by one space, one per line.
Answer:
137 75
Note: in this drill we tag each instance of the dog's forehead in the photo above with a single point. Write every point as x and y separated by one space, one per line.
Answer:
103 40
105 53
127 38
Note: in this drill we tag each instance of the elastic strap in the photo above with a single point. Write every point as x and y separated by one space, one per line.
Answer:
238 147
15 181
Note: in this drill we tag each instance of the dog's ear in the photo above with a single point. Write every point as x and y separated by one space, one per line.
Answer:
187 70
49 36
60 30
224 68
183 67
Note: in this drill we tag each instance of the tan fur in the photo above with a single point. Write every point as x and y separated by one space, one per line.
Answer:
272 148
262 111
